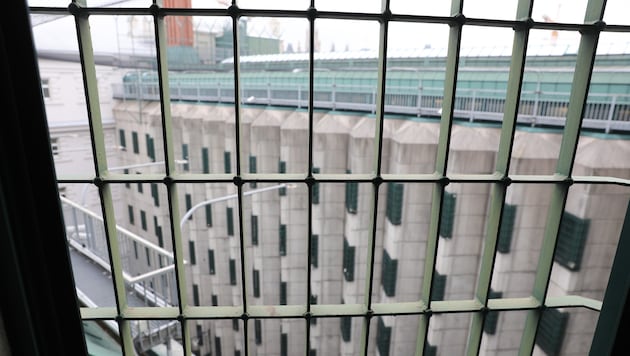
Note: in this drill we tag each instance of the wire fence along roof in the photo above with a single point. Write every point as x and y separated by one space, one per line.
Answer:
368 309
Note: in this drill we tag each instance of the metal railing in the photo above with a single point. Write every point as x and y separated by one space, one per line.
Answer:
154 286
607 112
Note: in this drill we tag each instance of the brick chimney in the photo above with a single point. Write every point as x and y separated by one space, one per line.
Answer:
179 29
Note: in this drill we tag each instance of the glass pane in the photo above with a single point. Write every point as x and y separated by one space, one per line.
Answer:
87 244
448 333
65 103
338 245
404 215
462 231
587 240
349 6
159 337
144 237
265 336
559 11
410 7
503 332
210 237
275 229
216 337
520 238
135 127
331 336
614 14
393 335
566 331
274 4
101 337
490 9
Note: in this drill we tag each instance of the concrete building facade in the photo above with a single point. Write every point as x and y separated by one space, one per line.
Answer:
275 226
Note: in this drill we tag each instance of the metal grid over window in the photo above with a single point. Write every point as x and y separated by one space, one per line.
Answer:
371 312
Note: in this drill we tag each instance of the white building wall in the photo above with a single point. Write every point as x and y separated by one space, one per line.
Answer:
340 144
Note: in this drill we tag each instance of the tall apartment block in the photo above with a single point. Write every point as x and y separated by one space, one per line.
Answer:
275 229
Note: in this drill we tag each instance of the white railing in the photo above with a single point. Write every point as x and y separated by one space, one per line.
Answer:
148 269
603 111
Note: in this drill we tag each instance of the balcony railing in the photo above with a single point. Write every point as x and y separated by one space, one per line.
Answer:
607 112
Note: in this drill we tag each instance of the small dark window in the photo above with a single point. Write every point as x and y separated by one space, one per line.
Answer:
284 344
127 184
134 142
235 324
383 337
209 215
254 223
315 190
348 261
252 169
232 272
150 147
283 240
158 232
448 215
131 215
571 241
215 300
283 293
205 160
352 196
227 162
429 350
185 157
143 220
191 252
195 289
346 328
439 286
393 209
258 331
148 253
188 199
492 318
551 330
230 221
389 274
504 241
256 284
199 334
282 168
122 138
211 262
315 250
135 249
154 194
217 345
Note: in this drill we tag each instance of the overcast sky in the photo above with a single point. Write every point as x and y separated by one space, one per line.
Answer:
355 35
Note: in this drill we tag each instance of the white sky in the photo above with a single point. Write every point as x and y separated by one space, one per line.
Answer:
357 35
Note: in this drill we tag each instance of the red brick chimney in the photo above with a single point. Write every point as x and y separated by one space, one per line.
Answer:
179 29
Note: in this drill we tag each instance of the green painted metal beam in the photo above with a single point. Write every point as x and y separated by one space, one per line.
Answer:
579 93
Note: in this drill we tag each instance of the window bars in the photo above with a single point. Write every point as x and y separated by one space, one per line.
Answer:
370 312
